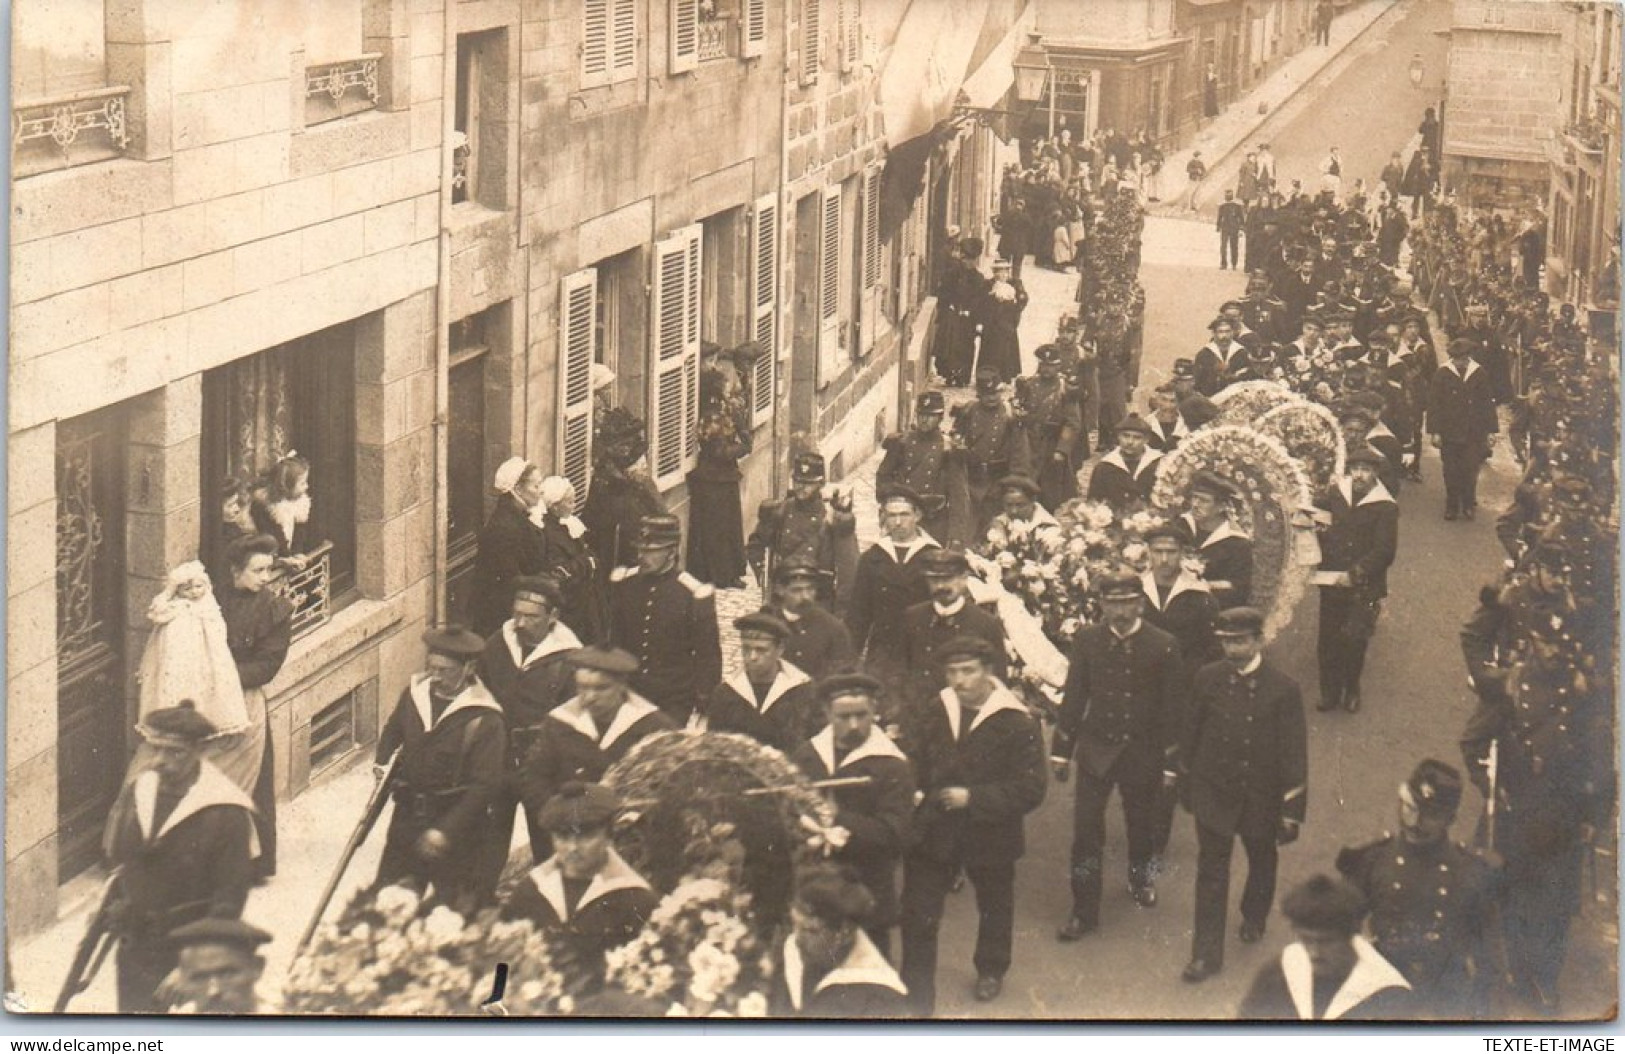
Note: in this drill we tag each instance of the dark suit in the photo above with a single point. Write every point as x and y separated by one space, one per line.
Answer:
1461 412
925 630
1246 758
669 621
819 643
1000 761
1361 541
1119 716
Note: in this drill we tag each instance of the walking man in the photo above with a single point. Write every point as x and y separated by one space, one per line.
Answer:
1232 218
1358 542
667 619
1461 424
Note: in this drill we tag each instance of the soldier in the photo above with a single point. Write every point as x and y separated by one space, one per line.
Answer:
995 445
819 643
1125 475
218 965
768 699
933 466
1461 424
889 581
949 614
1245 767
1432 900
1183 380
1226 552
876 815
1214 359
1048 410
804 527
584 895
668 620
1119 718
979 761
183 834
1360 525
449 829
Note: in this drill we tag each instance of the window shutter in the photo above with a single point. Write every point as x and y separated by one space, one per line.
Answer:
829 287
764 306
811 27
578 311
674 390
755 28
695 237
869 273
851 35
685 35
624 53
595 42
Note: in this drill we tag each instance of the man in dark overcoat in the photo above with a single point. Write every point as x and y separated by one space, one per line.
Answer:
950 613
995 446
889 581
1048 409
805 527
819 643
1119 719
1125 475
1359 538
1245 765
667 619
979 763
767 698
1226 553
932 465
1461 422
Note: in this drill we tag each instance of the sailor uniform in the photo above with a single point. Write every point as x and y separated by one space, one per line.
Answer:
863 985
613 909
1119 486
782 715
1227 558
1285 990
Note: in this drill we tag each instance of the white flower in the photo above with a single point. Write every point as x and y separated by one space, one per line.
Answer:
397 902
753 1005
1134 552
677 1010
1100 516
443 926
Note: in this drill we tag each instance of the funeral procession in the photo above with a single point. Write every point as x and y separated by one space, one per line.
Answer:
1041 510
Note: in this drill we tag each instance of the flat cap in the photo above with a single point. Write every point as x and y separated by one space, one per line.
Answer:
579 807
1238 622
963 647
1134 423
808 468
660 528
930 402
458 642
1220 320
789 570
943 563
615 661
1119 584
1173 529
1365 454
1184 369
1325 903
987 381
837 685
1435 788
234 932
180 722
762 624
1050 353
899 492
539 587
1025 484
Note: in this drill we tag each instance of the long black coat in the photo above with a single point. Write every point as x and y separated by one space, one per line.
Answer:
925 630
1245 751
999 758
669 622
1187 613
1001 325
258 632
511 546
570 561
882 590
819 643
1121 705
1362 538
615 505
1461 405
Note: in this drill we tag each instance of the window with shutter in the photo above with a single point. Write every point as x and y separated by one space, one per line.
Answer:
685 35
755 34
624 53
869 260
829 287
811 51
595 42
851 36
674 390
578 313
764 305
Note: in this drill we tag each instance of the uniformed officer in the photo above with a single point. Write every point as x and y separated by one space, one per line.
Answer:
1119 718
932 465
183 834
668 621
889 581
1226 553
1432 899
819 643
1048 410
767 698
1123 478
804 527
1245 767
1359 538
448 829
950 613
995 445
218 965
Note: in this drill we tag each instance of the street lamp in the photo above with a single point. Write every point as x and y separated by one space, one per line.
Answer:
1033 72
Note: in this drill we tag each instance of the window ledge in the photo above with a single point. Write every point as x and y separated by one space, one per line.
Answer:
350 629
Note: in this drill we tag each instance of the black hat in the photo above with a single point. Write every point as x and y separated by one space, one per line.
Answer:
1184 369
616 661
1220 321
762 624
808 468
1435 788
180 722
987 381
660 528
1050 353
1134 423
963 647
930 402
1228 304
579 807
1197 409
1326 903
943 563
1118 585
786 571
1217 486
1461 346
1365 454
899 492
1169 529
837 685
540 587
234 932
1025 484
458 642
1239 622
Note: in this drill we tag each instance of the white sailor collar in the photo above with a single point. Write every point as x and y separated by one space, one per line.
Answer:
1371 974
212 787
1180 427
1000 699
1147 459
615 874
789 676
1185 583
1380 430
1220 533
559 638
1376 495
474 696
1472 368
573 714
1224 357
916 547
863 965
878 745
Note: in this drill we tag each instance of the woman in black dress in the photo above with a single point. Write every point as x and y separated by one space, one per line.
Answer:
716 518
511 545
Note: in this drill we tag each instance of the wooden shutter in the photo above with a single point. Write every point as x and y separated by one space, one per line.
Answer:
596 31
851 36
578 311
685 35
624 32
811 27
754 32
829 286
674 386
764 310
869 257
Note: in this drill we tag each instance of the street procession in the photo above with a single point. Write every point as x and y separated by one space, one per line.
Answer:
1253 464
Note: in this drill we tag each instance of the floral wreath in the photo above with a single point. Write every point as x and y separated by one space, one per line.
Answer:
1245 401
1310 433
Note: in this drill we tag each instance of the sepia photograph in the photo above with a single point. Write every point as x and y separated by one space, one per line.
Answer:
842 510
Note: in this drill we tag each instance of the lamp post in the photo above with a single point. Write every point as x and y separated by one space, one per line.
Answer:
1034 72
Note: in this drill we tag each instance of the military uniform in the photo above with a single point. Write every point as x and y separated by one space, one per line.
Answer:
781 715
1048 411
995 447
926 627
1227 556
1116 484
1461 412
1360 542
1213 363
809 531
669 622
819 643
889 581
931 465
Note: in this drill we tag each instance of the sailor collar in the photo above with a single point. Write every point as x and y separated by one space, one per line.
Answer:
1185 583
1220 533
1180 427
474 696
1371 974
1224 357
212 787
615 874
1472 368
1115 457
1377 494
573 714
789 676
559 638
878 745
863 965
915 548
1000 699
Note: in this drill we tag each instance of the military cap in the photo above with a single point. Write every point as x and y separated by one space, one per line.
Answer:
616 661
1118 584
1025 484
1134 423
1435 788
930 402
837 685
660 528
762 624
457 642
540 587
1184 369
1238 622
1220 320
180 722
1169 529
233 932
1461 347
1228 304
987 380
808 468
786 571
943 563
1209 483
1325 903
963 647
1364 454
899 492
1050 353
579 807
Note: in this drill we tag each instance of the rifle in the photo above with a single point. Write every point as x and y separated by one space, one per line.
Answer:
1491 764
363 827
94 946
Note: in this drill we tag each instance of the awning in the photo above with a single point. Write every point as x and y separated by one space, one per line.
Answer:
930 60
